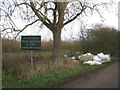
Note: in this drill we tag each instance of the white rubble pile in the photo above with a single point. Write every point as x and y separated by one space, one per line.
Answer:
91 59
98 59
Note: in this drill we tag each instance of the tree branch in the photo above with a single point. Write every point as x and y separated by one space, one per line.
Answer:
61 10
28 25
40 17
74 17
54 13
7 15
25 27
45 17
24 3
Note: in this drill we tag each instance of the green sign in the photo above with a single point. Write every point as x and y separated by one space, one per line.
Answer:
30 42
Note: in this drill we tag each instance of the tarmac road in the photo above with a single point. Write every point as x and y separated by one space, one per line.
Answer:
104 78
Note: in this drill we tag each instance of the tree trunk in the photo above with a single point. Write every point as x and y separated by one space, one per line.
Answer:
56 43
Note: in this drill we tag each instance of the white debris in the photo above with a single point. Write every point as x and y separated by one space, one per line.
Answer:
99 59
73 58
100 55
92 63
79 57
96 58
65 56
103 57
78 52
91 59
86 57
89 54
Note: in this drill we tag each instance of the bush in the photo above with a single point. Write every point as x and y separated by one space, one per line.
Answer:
100 39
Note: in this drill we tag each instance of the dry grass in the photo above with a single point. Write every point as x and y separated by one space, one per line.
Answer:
56 65
47 45
11 46
18 65
68 45
16 62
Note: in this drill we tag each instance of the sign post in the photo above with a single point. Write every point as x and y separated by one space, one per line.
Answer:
31 59
31 43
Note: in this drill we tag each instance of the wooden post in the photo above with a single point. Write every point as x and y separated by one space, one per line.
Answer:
31 59
29 56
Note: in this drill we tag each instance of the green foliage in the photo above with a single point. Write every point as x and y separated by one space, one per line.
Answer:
100 39
15 71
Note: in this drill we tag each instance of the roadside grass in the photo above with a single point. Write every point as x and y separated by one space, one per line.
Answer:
51 74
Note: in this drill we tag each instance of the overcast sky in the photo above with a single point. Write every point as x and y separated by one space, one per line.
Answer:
110 19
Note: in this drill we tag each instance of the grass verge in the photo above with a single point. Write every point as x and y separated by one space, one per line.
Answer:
53 77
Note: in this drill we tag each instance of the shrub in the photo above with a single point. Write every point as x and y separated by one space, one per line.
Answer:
100 39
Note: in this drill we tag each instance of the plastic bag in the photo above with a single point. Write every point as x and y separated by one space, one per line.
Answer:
96 58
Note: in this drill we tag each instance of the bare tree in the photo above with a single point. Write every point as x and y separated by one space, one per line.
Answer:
54 15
